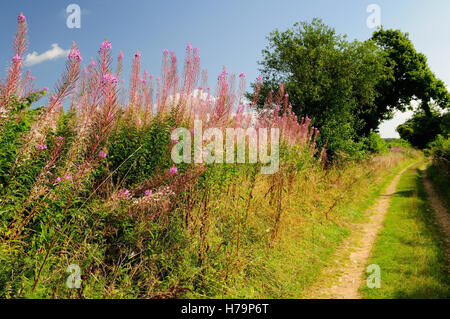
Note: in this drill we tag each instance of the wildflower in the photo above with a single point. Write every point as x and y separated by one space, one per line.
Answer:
102 154
92 63
121 55
75 55
109 78
286 95
21 18
41 146
259 78
17 59
174 139
192 131
60 138
189 46
148 192
106 45
46 89
124 194
137 55
84 70
173 170
58 180
166 51
242 75
68 176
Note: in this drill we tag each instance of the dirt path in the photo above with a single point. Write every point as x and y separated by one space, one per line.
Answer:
351 258
441 215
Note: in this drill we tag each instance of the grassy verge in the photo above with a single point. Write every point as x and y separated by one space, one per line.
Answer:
441 184
407 250
295 263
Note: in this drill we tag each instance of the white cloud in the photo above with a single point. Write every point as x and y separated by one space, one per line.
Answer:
54 53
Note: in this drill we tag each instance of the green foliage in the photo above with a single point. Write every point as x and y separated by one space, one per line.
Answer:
135 154
440 150
398 142
375 144
348 88
421 129
412 80
328 78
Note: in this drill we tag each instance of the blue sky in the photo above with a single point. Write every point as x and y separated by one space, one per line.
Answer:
228 33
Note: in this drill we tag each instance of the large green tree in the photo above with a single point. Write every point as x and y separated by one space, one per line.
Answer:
328 78
347 88
412 80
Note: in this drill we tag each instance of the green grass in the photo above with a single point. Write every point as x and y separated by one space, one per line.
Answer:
441 184
294 266
408 249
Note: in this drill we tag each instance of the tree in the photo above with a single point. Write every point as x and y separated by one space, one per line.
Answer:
423 128
412 80
328 78
348 88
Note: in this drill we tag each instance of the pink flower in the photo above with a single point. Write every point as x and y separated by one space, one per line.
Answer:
166 51
259 78
75 55
174 139
189 46
286 95
192 131
58 179
109 78
120 55
84 70
16 59
106 45
242 75
41 147
173 170
68 176
92 63
21 18
137 55
60 138
102 154
148 192
124 194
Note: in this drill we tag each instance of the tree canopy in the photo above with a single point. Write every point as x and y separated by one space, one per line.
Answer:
347 88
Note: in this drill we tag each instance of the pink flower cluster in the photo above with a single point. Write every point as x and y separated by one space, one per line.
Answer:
75 55
102 154
109 78
105 45
173 170
123 194
41 146
17 59
21 18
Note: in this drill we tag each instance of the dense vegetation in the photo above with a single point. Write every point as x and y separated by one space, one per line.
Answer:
93 186
348 88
